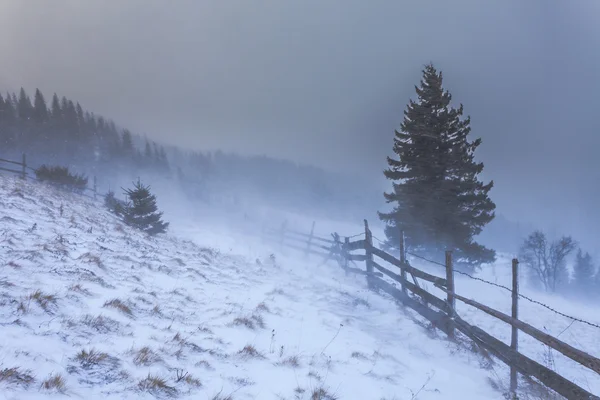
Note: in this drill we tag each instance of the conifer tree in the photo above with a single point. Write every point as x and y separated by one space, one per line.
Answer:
24 107
56 111
148 151
439 202
583 272
40 110
142 212
127 142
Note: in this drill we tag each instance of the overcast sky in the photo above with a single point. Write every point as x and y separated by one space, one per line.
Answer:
326 82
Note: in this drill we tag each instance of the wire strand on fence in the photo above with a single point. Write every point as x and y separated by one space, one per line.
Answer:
510 290
353 236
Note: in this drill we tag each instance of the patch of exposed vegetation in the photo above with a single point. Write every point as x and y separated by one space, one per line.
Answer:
292 361
45 301
101 324
251 322
119 305
250 351
16 377
321 393
91 358
54 382
145 356
156 386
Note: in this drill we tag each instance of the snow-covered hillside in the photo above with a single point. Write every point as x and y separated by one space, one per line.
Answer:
92 309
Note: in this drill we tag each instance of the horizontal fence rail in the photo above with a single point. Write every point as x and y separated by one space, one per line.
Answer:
443 315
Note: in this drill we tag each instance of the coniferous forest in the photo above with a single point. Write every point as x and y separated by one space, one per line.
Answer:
59 131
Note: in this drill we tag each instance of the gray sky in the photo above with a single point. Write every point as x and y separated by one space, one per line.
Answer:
326 82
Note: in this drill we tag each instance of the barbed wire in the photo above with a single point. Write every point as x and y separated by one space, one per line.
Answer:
509 290
353 236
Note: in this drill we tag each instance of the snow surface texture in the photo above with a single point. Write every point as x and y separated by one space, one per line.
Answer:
92 309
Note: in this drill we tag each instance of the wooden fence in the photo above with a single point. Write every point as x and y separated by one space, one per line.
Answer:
442 312
24 169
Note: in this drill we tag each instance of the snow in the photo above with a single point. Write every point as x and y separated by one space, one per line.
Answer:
190 302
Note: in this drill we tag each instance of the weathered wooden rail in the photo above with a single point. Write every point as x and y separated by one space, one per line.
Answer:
442 312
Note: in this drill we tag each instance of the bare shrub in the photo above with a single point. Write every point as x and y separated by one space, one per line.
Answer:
547 260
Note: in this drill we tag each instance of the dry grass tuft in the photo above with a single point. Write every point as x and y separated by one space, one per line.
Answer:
359 355
80 289
45 301
145 356
293 362
195 382
17 377
251 322
250 351
262 307
220 396
119 305
91 259
321 393
90 358
101 324
55 382
157 386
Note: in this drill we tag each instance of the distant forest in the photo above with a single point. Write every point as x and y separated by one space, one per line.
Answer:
62 132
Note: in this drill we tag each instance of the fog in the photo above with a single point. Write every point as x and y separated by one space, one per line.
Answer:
326 82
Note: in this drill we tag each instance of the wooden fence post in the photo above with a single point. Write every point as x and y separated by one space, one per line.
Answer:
312 231
95 187
403 261
24 165
514 339
450 296
368 252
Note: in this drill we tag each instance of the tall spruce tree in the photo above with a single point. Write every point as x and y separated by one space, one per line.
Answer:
142 212
583 272
24 106
439 202
40 110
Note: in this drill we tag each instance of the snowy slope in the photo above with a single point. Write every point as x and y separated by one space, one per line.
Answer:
118 315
